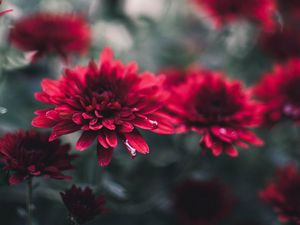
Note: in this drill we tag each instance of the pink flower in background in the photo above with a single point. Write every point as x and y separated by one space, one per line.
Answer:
51 33
28 154
219 109
280 93
107 102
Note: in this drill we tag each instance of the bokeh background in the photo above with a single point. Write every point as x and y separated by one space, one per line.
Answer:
157 34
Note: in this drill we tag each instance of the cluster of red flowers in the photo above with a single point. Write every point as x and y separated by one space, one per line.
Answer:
110 102
283 194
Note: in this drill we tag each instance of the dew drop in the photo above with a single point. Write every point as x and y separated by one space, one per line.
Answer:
3 110
154 123
131 150
223 131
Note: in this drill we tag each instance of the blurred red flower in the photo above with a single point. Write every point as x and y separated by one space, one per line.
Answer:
283 194
202 202
281 44
106 102
51 33
82 204
280 93
259 11
28 154
218 108
289 9
175 76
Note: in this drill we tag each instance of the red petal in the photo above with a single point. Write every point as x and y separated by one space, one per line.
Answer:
250 137
50 87
109 124
85 140
6 11
164 123
217 148
111 139
145 123
102 140
62 128
42 122
106 55
207 140
135 142
43 97
104 155
126 127
231 151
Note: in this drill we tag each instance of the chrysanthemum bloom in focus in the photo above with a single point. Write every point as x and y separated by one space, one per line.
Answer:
27 154
51 33
219 109
280 93
82 204
106 101
281 44
202 202
259 11
283 194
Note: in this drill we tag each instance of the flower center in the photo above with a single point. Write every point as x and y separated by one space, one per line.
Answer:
100 109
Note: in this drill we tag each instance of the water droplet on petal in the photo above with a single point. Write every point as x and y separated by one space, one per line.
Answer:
223 130
131 149
154 123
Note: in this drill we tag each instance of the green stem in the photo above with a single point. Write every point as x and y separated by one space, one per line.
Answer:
29 201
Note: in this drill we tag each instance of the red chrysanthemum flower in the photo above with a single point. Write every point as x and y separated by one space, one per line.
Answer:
82 204
259 11
281 44
283 194
51 33
106 102
202 202
280 93
28 154
218 108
